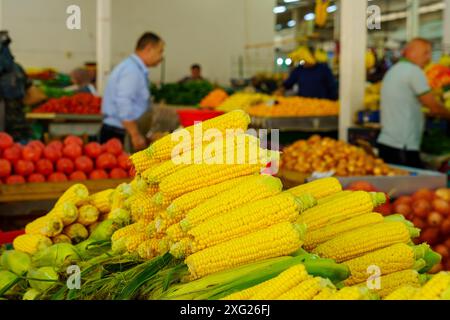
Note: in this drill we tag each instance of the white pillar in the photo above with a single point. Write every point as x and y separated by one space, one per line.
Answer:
1 15
103 43
412 19
446 38
352 61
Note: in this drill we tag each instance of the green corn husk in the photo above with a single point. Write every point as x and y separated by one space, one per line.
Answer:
15 261
58 255
31 294
104 230
43 278
431 258
121 216
8 281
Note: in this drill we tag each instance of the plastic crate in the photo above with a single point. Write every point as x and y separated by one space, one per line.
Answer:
189 116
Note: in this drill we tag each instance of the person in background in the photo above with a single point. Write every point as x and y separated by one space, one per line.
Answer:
405 89
313 80
82 82
127 93
196 74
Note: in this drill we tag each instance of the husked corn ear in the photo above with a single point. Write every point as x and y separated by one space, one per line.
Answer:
316 237
48 226
120 195
138 184
133 241
341 209
31 243
250 218
181 248
433 289
325 294
101 200
333 196
397 257
76 232
363 240
120 215
142 161
391 282
275 241
163 149
143 206
175 233
163 223
61 238
319 188
198 176
128 230
252 189
350 293
306 290
88 215
76 194
192 199
67 212
403 293
154 175
148 249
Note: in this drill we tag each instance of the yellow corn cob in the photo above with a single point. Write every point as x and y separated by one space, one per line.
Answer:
403 293
100 200
128 230
164 148
31 243
88 215
175 233
143 206
142 161
363 240
341 209
252 217
61 238
163 223
191 200
319 188
120 195
275 241
350 293
181 249
433 288
76 194
252 189
133 241
397 257
76 232
67 212
195 177
332 197
48 226
306 290
154 175
325 294
316 237
148 249
138 184
391 282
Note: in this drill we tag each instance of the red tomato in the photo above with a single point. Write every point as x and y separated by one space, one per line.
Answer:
64 165
73 140
106 161
36 178
52 153
32 153
44 167
114 146
56 144
441 206
72 151
78 176
423 194
362 186
118 173
24 168
93 150
84 164
37 143
98 175
57 177
6 140
124 161
12 154
15 180
5 168
421 208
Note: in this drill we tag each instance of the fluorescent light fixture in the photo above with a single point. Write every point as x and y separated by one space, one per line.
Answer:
280 61
290 1
310 16
332 8
288 61
279 9
291 23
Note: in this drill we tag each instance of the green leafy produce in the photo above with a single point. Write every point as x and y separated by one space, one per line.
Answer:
188 94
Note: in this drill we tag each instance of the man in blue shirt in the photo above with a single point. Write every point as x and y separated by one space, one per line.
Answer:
405 90
127 94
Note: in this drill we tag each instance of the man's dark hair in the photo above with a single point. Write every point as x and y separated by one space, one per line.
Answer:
146 39
196 66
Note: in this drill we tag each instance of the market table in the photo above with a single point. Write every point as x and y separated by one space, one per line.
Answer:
300 124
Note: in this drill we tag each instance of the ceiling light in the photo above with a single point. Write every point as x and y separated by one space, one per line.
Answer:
310 16
290 1
279 9
291 23
332 8
280 61
288 61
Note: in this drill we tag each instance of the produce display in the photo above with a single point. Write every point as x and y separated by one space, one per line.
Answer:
372 97
319 154
81 103
438 75
296 107
214 99
61 161
186 94
243 101
212 231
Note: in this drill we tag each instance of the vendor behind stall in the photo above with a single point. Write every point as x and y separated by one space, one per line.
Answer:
82 82
405 89
196 74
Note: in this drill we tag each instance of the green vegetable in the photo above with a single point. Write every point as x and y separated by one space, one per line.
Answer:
104 230
42 278
7 282
31 294
57 255
15 261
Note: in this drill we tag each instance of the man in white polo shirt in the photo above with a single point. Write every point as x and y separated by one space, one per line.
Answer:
405 90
